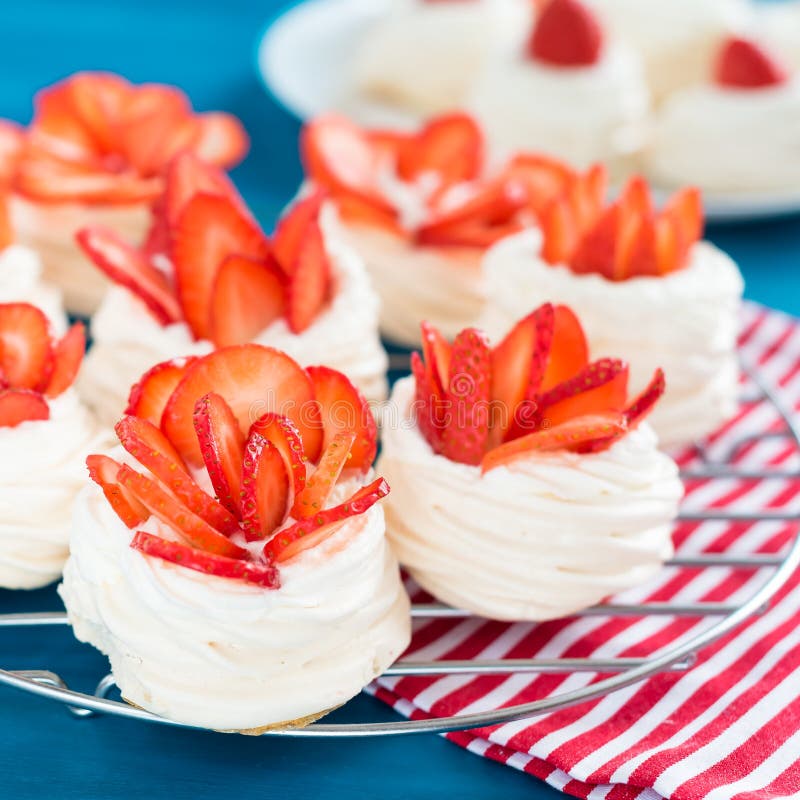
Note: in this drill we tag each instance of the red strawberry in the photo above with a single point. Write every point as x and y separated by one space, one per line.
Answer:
252 380
484 219
450 146
311 531
201 561
343 409
685 209
126 266
571 435
103 471
222 446
566 34
149 396
26 356
600 388
247 296
338 156
321 483
544 178
265 488
429 404
21 405
743 64
468 393
355 211
436 353
292 229
518 367
310 282
569 350
187 175
173 513
67 357
209 229
560 230
282 432
597 251
221 139
145 442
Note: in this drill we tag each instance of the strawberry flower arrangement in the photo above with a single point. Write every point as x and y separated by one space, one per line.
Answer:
96 152
272 477
524 482
422 208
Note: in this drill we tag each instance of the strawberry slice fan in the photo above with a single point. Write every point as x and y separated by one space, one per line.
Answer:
190 416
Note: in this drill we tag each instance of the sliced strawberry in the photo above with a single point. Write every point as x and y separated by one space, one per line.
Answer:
436 353
600 388
355 211
12 141
103 471
646 401
221 139
172 512
450 146
544 177
188 175
468 393
571 435
252 380
247 297
126 266
222 446
338 156
344 409
323 480
67 358
311 531
429 405
148 445
598 248
149 396
743 64
292 229
201 561
560 230
569 350
518 368
283 433
26 356
641 254
670 253
685 209
21 405
265 488
566 34
482 220
209 229
6 228
310 282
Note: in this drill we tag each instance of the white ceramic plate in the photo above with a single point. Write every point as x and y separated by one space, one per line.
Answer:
304 59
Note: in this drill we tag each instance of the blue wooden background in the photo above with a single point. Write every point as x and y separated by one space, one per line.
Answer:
208 48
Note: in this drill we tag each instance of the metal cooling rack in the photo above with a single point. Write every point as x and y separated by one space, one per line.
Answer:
721 618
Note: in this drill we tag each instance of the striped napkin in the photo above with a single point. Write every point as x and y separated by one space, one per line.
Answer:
729 728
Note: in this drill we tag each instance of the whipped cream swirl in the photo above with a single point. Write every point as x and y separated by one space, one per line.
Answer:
221 653
685 322
537 539
50 228
729 141
42 469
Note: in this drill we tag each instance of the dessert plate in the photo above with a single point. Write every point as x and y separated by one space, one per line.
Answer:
304 56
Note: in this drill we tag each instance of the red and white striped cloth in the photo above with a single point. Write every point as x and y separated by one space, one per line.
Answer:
729 728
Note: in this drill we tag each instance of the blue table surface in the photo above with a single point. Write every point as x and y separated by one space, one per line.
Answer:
208 48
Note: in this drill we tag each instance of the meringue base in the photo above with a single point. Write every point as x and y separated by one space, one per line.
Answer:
442 286
50 228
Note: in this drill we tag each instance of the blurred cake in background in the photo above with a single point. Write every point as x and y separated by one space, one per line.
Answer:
421 209
738 132
676 38
568 90
94 154
777 24
646 289
423 55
